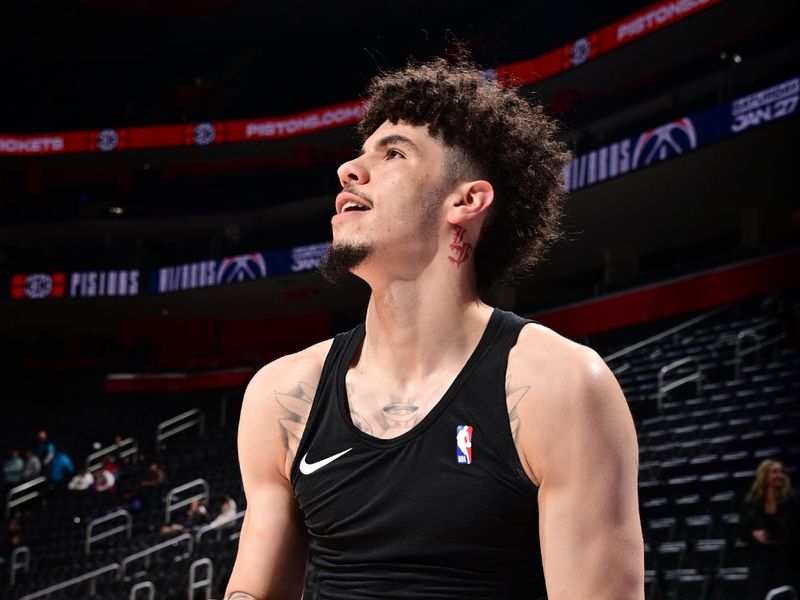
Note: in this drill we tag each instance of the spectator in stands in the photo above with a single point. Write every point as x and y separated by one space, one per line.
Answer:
61 468
195 517
45 449
33 466
83 480
132 501
155 475
769 519
13 468
227 512
105 479
11 538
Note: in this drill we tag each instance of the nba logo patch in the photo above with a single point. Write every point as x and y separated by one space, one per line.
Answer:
464 444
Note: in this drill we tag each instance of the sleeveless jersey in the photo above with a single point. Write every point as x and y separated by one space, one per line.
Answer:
443 511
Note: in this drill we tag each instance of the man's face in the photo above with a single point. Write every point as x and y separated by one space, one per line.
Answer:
391 199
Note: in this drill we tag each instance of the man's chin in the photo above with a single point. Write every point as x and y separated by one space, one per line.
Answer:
341 259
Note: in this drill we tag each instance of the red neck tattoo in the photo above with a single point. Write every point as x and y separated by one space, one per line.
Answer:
460 249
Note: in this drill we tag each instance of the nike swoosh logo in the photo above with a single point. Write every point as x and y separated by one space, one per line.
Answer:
308 468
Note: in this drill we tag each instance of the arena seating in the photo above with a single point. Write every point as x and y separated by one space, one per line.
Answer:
700 441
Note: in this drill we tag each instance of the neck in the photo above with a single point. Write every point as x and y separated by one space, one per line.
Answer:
422 326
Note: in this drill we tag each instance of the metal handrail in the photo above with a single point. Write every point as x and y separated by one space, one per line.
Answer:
90 539
12 502
131 449
752 333
190 418
663 334
143 585
91 577
696 376
218 527
15 564
204 584
172 507
184 537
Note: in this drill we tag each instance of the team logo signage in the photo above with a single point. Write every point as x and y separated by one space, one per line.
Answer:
107 140
580 52
96 284
664 142
682 135
204 134
37 286
244 267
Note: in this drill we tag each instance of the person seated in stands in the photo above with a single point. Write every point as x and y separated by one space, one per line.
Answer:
33 466
769 520
12 469
196 517
10 539
60 469
155 475
45 449
105 479
227 512
83 480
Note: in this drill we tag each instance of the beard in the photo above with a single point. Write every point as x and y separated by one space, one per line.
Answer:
341 259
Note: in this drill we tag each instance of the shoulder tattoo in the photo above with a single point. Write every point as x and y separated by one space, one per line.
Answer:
296 405
514 395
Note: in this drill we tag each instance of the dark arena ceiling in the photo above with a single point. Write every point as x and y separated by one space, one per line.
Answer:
99 63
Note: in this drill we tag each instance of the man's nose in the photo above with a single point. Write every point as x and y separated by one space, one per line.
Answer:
352 172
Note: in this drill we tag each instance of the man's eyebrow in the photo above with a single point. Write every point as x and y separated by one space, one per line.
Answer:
392 140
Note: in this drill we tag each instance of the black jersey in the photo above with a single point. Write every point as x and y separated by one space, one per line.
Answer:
444 510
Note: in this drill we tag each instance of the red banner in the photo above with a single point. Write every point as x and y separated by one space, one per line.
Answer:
646 21
698 291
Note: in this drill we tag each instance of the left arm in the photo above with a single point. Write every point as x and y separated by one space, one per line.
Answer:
578 439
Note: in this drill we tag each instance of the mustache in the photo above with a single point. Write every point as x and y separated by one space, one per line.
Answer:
350 189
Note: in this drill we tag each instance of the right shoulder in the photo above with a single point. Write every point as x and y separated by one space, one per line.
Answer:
287 370
275 409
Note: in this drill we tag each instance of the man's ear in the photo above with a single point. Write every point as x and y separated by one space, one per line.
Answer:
471 200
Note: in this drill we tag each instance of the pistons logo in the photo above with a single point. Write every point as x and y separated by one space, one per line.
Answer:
107 140
580 51
37 286
204 134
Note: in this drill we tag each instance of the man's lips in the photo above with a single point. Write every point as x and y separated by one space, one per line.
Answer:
344 197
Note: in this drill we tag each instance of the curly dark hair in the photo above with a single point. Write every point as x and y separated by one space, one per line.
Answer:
497 135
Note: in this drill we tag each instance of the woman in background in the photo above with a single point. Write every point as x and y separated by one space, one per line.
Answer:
769 518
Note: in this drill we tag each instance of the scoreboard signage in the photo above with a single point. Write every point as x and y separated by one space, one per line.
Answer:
682 135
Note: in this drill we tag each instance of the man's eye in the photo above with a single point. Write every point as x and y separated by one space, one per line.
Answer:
393 153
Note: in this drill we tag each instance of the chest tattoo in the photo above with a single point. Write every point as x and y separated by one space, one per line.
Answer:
388 419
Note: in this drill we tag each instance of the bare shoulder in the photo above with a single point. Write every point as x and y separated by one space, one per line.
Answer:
542 357
276 406
558 389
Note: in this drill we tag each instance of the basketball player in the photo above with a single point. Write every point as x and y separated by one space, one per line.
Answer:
443 448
